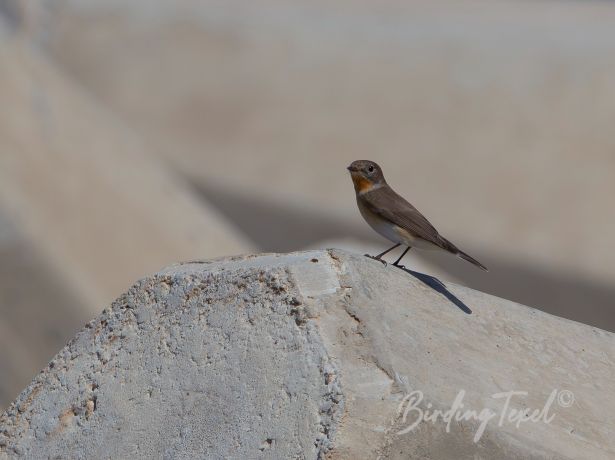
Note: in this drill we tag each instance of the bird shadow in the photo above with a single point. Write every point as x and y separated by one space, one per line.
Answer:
439 287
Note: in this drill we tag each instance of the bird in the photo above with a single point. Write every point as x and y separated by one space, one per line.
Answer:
393 217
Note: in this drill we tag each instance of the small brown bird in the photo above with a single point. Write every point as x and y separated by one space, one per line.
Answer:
393 217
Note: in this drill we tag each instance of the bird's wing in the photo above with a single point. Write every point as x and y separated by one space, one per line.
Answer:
392 207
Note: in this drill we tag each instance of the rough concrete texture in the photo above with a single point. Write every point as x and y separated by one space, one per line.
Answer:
308 355
64 163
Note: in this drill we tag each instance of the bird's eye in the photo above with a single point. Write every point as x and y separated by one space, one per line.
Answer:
370 169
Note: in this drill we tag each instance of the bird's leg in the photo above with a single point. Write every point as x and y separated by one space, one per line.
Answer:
396 263
379 256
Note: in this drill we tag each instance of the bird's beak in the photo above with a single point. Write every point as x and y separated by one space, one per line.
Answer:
351 168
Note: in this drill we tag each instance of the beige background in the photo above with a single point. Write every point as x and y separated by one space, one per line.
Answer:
146 133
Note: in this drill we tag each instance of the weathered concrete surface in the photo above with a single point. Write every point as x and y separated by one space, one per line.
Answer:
310 354
65 162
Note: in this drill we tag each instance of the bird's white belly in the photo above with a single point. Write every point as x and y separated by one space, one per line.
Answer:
393 232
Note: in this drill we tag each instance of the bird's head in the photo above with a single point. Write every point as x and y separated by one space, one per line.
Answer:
366 175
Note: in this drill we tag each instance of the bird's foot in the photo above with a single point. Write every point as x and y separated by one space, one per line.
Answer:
384 262
403 267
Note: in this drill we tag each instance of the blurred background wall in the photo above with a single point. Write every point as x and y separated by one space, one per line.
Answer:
137 134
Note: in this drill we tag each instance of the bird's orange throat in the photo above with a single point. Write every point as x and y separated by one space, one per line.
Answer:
361 184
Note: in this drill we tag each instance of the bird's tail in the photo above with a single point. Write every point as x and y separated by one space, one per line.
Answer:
471 259
462 255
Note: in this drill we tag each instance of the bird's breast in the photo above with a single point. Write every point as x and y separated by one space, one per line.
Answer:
392 232
380 225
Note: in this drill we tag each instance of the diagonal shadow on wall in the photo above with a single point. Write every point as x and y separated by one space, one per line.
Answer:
279 228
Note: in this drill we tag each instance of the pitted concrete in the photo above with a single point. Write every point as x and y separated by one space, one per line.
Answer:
190 363
310 355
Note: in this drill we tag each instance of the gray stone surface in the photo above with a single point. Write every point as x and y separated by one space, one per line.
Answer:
65 161
309 355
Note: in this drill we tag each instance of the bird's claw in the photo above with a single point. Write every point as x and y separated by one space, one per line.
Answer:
384 262
403 267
